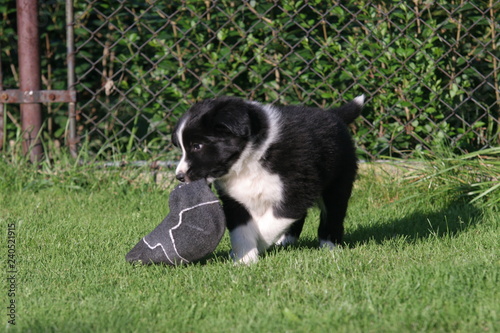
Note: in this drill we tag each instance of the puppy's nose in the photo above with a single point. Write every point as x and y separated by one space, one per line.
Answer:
181 176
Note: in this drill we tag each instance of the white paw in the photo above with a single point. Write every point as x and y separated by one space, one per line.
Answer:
326 244
248 258
285 240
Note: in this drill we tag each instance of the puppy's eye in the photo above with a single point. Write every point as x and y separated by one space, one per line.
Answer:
196 146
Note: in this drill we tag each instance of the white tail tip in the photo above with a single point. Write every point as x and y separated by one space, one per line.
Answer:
360 100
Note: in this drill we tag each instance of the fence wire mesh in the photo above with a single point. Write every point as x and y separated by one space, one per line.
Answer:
429 69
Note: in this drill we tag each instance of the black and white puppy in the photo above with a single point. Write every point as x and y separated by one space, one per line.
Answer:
270 164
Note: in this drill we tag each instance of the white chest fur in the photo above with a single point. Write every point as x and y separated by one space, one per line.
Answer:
253 186
248 181
259 191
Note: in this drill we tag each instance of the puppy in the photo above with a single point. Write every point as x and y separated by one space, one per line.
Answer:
270 164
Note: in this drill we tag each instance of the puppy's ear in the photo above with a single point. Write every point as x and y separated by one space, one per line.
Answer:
174 138
233 122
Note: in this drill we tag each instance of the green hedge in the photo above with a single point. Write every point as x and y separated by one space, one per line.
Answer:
430 70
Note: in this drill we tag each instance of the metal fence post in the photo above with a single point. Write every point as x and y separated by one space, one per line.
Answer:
29 76
2 125
72 139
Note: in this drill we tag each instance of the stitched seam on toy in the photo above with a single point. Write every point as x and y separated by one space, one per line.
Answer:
177 226
162 248
180 222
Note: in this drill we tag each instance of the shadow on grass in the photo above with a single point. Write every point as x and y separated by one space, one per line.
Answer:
449 221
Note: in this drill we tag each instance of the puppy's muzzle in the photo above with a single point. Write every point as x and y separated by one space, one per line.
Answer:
181 176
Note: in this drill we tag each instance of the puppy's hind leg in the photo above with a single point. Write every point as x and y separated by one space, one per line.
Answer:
333 211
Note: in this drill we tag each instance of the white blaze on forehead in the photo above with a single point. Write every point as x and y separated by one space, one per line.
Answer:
183 165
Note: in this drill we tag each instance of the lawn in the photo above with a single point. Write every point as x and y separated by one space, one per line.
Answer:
430 263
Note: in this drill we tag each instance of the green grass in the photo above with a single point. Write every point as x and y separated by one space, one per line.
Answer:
426 264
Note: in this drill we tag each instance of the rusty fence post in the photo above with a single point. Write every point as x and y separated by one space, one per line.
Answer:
29 76
29 94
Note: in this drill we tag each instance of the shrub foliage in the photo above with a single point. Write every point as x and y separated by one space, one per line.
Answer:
429 69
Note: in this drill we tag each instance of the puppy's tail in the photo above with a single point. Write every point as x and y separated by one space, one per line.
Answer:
350 111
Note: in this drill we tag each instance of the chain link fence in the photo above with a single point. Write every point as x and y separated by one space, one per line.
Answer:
429 69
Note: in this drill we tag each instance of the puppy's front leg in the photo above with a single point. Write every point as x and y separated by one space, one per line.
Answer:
243 231
244 241
254 237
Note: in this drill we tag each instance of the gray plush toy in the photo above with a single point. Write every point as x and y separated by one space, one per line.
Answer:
191 231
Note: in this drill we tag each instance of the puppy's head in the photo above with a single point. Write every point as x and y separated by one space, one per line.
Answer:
211 135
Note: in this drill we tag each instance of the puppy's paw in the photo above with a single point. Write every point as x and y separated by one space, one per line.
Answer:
326 244
248 258
286 240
